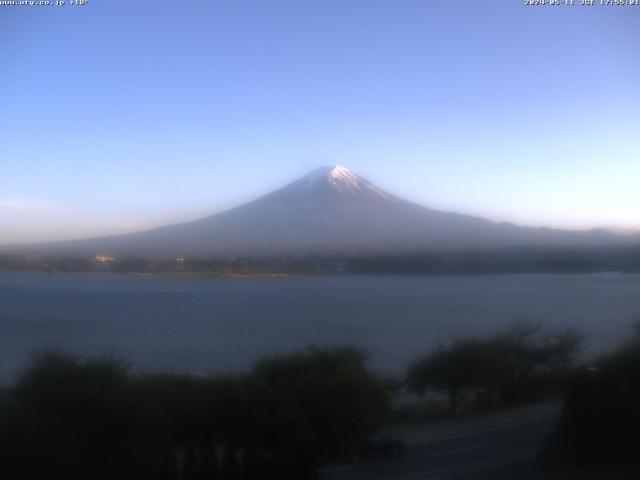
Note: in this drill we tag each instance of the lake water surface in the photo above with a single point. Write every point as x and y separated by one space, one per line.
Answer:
225 324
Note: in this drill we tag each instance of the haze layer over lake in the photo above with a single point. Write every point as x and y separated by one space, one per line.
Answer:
225 324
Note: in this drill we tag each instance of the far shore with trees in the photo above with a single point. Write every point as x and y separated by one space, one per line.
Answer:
427 263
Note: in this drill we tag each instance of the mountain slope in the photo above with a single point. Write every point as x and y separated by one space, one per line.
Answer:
330 211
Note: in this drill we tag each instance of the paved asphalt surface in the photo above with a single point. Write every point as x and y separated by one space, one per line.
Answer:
501 451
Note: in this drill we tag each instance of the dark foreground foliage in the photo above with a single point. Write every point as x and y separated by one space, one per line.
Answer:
601 415
513 366
95 419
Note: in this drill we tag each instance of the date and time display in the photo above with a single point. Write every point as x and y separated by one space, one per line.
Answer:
585 3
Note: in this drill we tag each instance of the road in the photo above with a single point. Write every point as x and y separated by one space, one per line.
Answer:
502 450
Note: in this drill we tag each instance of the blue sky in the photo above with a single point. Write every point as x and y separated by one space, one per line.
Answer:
118 115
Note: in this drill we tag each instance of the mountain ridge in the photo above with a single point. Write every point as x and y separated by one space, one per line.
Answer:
330 211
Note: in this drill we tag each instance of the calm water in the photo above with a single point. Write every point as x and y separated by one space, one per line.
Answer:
224 324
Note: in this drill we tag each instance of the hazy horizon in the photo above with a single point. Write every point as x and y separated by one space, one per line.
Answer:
148 115
189 217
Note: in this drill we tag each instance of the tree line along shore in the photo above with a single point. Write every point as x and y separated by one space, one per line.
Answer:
469 262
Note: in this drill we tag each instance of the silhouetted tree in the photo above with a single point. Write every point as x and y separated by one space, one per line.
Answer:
72 416
94 419
600 417
466 363
315 404
512 363
525 356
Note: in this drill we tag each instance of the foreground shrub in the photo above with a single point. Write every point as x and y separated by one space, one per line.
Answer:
95 419
513 365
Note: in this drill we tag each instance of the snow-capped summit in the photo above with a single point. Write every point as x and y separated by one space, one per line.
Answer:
340 175
335 174
341 179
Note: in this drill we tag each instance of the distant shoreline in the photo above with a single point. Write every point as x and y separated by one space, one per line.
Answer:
193 275
432 264
204 274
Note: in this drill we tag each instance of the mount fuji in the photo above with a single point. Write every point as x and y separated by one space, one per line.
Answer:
331 211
